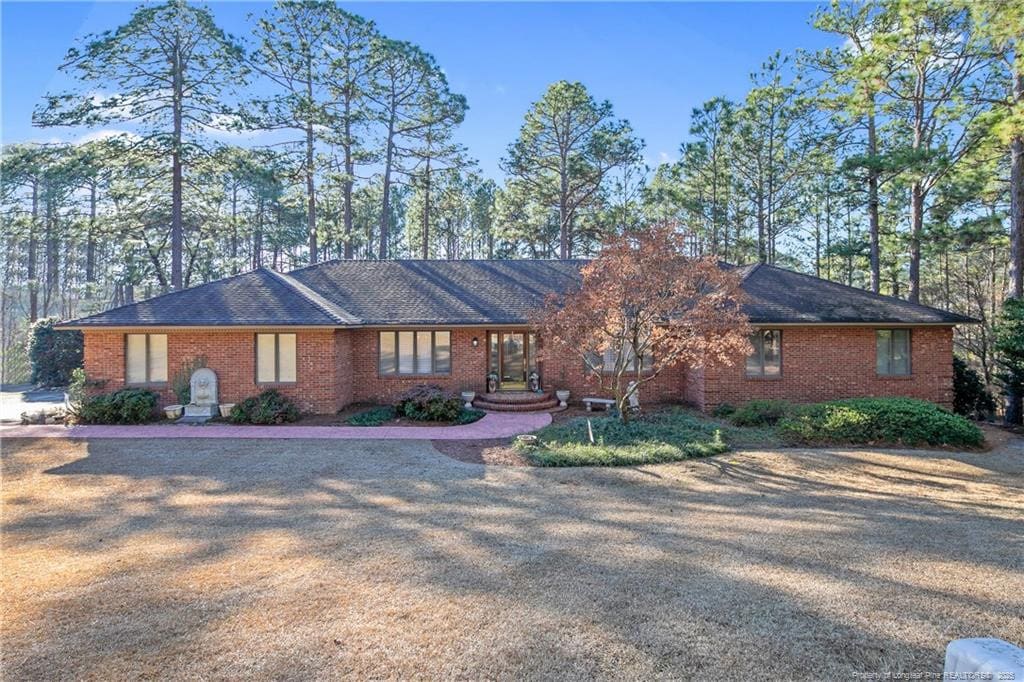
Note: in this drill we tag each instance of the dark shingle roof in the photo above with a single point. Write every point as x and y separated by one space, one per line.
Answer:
783 296
340 293
256 298
452 292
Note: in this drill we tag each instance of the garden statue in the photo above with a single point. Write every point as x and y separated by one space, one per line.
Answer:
203 391
492 382
534 382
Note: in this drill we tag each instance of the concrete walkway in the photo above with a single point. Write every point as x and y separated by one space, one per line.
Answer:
493 425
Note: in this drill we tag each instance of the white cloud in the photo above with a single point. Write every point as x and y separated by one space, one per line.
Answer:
105 134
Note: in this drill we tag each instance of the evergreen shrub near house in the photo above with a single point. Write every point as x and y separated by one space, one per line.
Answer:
269 407
760 413
126 406
970 397
877 421
430 403
374 416
54 353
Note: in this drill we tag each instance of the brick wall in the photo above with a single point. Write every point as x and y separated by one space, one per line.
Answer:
825 363
338 367
231 354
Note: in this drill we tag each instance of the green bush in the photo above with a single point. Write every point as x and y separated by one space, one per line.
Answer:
469 415
375 416
723 411
54 354
428 402
658 437
269 407
970 397
127 406
869 421
761 413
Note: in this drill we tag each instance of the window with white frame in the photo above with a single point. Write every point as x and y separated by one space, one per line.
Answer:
276 358
145 358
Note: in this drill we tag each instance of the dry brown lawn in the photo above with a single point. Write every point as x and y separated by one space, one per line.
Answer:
359 559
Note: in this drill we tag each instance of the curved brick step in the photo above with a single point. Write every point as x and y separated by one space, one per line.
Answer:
536 406
515 397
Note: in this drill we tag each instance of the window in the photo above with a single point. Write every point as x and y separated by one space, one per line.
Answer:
606 360
892 352
415 352
766 360
145 358
275 358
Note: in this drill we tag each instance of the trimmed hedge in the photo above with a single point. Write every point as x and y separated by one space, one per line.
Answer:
869 421
54 354
269 407
375 416
127 406
760 413
429 403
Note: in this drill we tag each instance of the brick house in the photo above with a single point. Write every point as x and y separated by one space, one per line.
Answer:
345 332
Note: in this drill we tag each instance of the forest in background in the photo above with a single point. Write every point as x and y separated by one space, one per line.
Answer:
893 162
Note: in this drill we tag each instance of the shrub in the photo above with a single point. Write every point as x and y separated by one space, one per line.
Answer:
428 402
127 406
53 353
469 415
723 411
862 421
269 407
375 416
970 397
761 413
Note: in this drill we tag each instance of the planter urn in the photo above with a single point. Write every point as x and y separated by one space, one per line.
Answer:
225 409
563 398
173 411
467 398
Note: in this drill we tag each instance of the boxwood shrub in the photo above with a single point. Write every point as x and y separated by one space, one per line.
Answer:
269 407
760 413
127 406
864 421
374 416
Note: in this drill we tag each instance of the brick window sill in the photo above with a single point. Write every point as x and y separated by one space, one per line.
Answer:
157 385
760 378
276 384
390 377
894 377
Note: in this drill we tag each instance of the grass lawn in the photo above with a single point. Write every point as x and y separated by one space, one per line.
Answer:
662 436
370 559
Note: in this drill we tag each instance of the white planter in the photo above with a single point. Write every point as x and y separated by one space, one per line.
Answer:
173 411
467 397
563 398
225 409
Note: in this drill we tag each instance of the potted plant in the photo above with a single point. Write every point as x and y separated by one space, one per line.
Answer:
563 397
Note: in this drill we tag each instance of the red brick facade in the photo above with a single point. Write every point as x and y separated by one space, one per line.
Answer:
339 367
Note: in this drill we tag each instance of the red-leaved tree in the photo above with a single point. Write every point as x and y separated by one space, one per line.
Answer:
642 307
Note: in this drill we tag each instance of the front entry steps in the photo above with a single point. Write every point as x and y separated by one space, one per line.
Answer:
516 401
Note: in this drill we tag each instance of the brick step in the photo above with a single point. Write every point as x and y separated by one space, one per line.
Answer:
535 406
515 397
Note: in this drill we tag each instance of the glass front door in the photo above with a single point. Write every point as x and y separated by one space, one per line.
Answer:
512 359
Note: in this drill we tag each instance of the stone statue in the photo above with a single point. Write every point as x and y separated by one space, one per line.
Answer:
203 393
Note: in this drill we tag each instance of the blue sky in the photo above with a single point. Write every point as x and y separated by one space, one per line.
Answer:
654 61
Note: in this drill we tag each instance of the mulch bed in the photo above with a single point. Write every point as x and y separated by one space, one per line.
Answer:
491 451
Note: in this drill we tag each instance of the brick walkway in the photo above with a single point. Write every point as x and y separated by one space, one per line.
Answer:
493 425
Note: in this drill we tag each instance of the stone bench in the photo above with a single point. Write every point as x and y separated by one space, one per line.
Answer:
590 402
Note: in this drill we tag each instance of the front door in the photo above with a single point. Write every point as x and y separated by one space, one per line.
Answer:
512 359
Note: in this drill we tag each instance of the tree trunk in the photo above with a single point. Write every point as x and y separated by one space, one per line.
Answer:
177 238
875 256
386 206
33 245
90 240
234 229
1014 405
349 180
916 229
564 242
425 246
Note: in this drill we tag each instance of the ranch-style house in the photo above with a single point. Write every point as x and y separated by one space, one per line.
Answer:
343 332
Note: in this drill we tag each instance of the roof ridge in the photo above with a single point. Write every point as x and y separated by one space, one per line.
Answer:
884 297
327 307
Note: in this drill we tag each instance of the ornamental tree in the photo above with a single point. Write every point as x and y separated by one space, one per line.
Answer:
643 306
